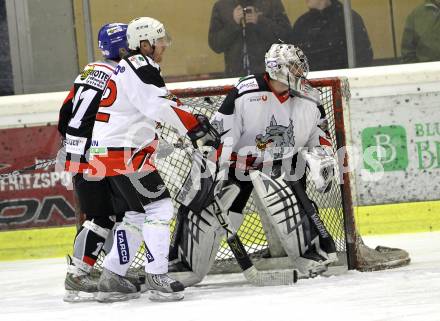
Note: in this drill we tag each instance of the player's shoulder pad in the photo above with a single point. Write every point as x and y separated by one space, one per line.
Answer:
247 84
146 69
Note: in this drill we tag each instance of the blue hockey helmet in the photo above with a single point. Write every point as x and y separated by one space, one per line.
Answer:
111 38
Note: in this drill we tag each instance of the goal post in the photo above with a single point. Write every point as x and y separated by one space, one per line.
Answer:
335 207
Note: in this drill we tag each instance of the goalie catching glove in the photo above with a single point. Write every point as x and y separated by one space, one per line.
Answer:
204 134
321 163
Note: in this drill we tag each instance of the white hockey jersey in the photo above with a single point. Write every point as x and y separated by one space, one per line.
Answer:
258 125
134 101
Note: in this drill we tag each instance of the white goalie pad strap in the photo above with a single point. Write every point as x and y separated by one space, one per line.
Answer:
322 164
95 228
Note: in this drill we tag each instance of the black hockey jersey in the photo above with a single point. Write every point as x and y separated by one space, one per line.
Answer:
78 112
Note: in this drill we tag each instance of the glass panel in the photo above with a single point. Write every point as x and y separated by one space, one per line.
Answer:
196 53
418 30
401 31
43 46
319 29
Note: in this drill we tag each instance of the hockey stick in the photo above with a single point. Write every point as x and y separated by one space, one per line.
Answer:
250 272
312 213
164 151
42 165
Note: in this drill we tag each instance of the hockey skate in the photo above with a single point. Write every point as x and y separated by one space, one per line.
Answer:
79 284
163 288
113 287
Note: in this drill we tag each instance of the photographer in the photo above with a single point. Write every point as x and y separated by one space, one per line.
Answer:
244 30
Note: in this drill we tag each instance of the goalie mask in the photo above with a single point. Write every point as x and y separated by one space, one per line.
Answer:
288 65
146 28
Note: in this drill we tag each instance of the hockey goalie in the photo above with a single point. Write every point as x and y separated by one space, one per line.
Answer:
272 128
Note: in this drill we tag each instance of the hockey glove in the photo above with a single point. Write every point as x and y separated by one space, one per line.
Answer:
322 164
204 134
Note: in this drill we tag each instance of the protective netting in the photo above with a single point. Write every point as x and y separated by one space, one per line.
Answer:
175 167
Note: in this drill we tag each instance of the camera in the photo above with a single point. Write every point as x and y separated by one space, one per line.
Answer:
247 10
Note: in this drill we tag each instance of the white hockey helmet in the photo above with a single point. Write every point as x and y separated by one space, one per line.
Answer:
146 28
287 64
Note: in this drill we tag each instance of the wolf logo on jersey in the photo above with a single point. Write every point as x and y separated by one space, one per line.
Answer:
276 138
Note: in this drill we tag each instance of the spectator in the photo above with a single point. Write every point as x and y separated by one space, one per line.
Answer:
244 30
421 36
321 34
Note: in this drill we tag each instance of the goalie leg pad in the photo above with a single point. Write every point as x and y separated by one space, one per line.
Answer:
236 219
197 246
197 236
290 222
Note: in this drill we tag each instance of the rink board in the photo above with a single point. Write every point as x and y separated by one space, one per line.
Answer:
371 220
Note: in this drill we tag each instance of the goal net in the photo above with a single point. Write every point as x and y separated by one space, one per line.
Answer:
335 207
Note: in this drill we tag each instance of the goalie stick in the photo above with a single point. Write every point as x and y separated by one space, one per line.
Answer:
312 213
250 272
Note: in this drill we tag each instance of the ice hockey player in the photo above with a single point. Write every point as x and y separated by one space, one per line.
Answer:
76 119
125 134
271 128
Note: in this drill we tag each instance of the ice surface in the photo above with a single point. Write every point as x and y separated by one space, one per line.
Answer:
33 290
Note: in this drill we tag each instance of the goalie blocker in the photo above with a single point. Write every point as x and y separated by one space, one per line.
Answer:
198 231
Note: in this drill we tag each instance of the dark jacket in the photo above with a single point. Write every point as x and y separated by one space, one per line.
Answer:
421 36
226 36
321 35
